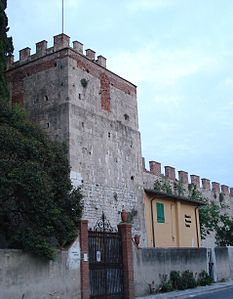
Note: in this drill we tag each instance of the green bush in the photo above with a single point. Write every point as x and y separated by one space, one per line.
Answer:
39 209
165 285
188 280
204 279
182 281
176 280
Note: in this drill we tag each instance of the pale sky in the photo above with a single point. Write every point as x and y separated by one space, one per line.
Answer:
178 52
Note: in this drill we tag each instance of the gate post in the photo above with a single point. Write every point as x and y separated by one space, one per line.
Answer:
84 264
127 258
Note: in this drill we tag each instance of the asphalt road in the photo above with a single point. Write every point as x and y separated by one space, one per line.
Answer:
220 294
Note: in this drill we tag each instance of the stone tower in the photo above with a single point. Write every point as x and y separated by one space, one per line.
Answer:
76 99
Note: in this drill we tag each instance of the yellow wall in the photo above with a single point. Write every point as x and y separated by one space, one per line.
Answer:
189 234
175 232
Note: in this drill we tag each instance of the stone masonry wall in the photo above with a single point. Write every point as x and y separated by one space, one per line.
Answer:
105 144
25 276
77 100
151 265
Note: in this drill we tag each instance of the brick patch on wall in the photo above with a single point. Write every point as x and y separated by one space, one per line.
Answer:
17 76
19 72
17 91
105 92
97 71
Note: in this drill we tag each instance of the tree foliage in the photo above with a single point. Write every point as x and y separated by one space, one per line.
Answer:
224 231
6 48
39 210
209 215
213 220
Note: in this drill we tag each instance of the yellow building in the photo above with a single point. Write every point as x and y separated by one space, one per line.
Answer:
171 221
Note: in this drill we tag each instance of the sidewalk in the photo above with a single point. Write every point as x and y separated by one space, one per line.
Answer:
190 292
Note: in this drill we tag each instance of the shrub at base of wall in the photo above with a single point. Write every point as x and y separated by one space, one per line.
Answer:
182 281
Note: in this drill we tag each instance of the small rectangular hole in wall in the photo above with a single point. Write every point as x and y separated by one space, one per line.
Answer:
109 134
126 116
48 125
79 96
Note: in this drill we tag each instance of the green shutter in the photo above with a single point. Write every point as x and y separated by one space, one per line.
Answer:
160 212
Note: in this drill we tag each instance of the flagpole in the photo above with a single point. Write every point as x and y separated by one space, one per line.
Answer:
63 16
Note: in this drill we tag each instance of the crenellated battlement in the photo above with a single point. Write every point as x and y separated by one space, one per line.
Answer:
61 41
170 173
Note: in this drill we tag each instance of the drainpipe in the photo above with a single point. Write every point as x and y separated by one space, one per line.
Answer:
152 217
198 244
178 223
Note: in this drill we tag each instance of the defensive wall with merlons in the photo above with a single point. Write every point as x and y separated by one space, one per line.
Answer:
215 192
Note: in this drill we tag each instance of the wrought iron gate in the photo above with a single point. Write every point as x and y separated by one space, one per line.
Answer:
105 262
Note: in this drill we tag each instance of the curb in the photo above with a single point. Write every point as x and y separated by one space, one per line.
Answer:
190 293
203 292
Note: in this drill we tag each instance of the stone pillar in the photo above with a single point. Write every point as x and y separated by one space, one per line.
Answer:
84 264
205 184
24 54
195 180
101 60
231 192
170 172
90 54
127 256
183 177
225 189
10 59
77 46
41 47
215 187
155 168
61 41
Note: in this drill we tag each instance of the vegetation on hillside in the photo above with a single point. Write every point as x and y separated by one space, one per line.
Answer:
39 209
